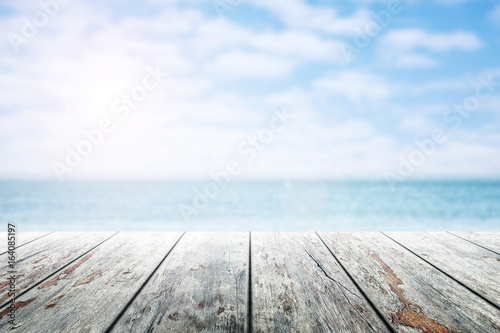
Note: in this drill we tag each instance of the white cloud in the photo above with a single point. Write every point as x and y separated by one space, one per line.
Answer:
414 60
417 124
405 47
212 37
356 86
250 65
64 79
304 46
461 159
456 84
297 14
411 39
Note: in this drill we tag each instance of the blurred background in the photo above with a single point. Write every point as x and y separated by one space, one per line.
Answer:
250 115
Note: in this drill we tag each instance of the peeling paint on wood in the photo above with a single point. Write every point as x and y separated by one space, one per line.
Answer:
201 287
68 271
78 300
472 265
299 287
18 305
38 260
411 293
284 282
411 315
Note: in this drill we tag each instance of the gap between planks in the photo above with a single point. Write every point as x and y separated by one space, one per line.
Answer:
250 294
30 241
451 276
472 242
122 312
250 273
378 312
36 284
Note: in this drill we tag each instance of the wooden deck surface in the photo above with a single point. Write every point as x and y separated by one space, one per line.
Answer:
253 282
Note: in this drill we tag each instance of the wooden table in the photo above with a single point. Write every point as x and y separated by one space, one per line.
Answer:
253 282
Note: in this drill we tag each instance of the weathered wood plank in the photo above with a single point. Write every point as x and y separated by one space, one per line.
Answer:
414 296
38 260
477 268
22 238
89 295
489 240
201 287
299 287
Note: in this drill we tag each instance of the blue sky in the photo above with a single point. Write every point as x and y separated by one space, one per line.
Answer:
228 67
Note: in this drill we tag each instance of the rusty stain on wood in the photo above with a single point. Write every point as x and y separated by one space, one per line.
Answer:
3 284
55 300
438 297
293 290
408 316
42 258
68 270
78 301
89 278
18 306
286 282
465 262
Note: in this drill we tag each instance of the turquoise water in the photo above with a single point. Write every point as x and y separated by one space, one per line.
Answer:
251 205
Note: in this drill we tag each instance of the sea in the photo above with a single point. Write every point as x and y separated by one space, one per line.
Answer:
251 205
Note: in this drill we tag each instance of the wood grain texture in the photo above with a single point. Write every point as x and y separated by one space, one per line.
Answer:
129 284
201 287
299 287
414 296
90 294
39 259
22 237
489 240
472 265
30 236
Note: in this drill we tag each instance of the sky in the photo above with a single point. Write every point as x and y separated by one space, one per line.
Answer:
297 89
